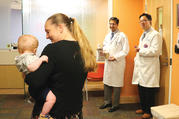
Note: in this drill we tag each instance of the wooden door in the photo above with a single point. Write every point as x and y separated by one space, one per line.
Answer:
154 8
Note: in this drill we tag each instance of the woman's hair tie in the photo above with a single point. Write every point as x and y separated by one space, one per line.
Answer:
71 20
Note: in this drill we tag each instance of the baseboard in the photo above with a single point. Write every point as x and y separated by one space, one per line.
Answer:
99 86
129 99
8 91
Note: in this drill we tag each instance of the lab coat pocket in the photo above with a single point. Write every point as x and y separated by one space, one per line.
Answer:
148 65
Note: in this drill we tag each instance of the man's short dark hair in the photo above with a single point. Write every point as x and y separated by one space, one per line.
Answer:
114 19
149 17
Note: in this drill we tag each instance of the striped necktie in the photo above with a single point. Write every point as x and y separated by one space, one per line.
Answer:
143 36
112 35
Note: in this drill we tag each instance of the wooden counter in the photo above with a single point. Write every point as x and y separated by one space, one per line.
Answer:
10 78
7 57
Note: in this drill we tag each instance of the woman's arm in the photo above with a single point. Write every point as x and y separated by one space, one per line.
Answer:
39 78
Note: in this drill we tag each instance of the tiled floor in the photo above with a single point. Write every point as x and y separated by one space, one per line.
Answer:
14 107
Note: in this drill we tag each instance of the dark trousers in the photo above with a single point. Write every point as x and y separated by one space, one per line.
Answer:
147 98
108 95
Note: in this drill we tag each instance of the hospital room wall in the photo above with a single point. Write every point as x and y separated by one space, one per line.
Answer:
163 94
128 12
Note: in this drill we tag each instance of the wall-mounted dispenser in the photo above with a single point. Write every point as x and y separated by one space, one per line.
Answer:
177 45
176 49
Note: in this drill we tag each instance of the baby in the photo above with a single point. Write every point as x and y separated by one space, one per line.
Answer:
28 62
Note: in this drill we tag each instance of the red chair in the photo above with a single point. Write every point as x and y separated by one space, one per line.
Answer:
98 75
94 79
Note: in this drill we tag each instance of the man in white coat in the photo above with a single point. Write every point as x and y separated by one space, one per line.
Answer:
116 48
147 65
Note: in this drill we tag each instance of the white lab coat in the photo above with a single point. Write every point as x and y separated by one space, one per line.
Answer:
146 63
118 47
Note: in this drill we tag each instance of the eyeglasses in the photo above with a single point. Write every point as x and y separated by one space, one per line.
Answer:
112 24
143 21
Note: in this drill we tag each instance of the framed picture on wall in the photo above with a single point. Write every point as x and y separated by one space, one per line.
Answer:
177 15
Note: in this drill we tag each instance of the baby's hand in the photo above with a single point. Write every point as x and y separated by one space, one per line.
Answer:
44 58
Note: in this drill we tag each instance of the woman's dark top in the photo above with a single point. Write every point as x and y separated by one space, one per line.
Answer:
64 74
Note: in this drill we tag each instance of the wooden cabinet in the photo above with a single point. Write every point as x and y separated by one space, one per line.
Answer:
11 81
10 77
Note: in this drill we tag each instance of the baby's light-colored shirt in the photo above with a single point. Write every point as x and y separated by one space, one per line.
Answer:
22 61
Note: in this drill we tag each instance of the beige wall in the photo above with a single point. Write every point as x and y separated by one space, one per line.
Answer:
98 15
